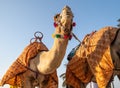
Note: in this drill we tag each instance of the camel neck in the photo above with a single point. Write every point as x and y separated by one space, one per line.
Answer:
59 47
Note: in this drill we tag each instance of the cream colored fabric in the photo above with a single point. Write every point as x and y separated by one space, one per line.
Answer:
93 58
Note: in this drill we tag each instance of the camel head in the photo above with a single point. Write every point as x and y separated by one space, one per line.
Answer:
64 21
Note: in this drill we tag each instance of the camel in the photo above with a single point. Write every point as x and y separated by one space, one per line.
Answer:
45 63
97 59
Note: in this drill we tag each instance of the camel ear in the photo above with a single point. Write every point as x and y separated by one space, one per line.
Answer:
56 17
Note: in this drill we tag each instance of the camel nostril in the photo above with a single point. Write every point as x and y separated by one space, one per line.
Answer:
68 13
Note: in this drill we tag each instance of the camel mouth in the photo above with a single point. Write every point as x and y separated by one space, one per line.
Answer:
66 12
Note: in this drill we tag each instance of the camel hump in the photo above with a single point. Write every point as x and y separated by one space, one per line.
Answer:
31 51
12 76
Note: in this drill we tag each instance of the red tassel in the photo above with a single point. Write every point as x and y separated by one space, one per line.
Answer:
55 24
66 36
74 24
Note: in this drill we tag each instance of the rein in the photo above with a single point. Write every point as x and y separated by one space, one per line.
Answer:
76 38
28 68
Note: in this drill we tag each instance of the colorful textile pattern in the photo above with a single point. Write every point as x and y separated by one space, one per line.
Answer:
14 73
93 58
53 80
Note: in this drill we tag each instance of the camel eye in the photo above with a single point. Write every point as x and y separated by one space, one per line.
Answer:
56 16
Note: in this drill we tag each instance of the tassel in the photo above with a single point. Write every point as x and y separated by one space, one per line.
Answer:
66 36
55 24
58 36
74 24
53 35
70 37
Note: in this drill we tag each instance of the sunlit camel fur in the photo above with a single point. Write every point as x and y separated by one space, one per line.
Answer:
97 59
47 62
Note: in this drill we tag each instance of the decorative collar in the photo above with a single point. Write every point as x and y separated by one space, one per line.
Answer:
62 36
58 23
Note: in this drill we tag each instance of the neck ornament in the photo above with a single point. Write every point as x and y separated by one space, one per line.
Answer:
62 36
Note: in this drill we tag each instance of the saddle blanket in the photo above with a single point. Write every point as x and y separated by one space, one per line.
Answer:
13 74
93 58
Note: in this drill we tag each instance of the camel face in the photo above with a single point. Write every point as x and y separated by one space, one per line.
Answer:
64 20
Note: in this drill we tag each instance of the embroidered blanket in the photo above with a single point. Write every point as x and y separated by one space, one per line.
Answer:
12 76
93 58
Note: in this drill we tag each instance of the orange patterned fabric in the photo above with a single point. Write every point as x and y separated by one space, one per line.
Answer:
53 81
13 74
93 58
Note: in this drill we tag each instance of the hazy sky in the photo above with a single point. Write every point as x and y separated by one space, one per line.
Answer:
19 19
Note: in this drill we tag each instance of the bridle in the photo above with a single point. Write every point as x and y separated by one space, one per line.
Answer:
58 24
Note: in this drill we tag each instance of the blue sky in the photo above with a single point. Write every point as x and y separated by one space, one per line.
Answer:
19 19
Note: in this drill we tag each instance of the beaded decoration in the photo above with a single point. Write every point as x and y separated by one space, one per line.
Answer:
62 36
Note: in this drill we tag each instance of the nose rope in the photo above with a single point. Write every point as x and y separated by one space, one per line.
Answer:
76 38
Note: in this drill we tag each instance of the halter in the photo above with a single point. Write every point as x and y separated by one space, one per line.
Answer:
65 36
62 36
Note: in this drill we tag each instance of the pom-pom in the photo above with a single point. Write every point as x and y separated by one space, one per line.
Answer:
70 37
66 36
74 24
53 35
55 24
58 36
